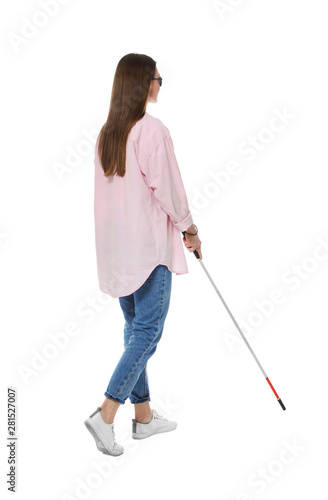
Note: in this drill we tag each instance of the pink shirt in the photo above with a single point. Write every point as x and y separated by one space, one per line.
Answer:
139 217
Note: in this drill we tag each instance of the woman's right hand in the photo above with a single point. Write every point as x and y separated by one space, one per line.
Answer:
192 242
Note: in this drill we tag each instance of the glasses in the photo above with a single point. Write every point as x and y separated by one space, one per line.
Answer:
160 80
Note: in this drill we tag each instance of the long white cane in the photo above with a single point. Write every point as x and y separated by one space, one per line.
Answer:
238 328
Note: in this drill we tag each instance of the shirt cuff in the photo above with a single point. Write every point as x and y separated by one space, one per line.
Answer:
185 224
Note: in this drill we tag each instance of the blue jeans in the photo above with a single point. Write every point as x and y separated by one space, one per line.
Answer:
144 312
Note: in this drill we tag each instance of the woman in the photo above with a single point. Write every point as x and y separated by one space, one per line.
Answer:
140 209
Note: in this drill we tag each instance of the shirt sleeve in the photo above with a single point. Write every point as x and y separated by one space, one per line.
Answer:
163 176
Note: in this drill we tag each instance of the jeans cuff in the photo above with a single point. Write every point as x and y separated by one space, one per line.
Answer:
109 395
142 400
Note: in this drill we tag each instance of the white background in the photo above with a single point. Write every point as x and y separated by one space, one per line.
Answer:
227 69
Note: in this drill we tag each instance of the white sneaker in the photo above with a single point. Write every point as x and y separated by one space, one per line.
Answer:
103 434
155 426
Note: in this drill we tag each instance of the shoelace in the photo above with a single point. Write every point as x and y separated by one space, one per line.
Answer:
159 417
115 445
113 433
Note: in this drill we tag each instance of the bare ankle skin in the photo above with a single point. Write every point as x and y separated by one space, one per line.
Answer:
109 409
143 412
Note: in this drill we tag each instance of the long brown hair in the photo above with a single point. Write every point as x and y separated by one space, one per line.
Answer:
130 90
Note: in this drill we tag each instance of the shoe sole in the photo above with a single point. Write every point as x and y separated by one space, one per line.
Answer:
99 438
159 431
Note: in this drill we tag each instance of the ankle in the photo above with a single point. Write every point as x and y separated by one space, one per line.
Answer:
107 419
144 419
